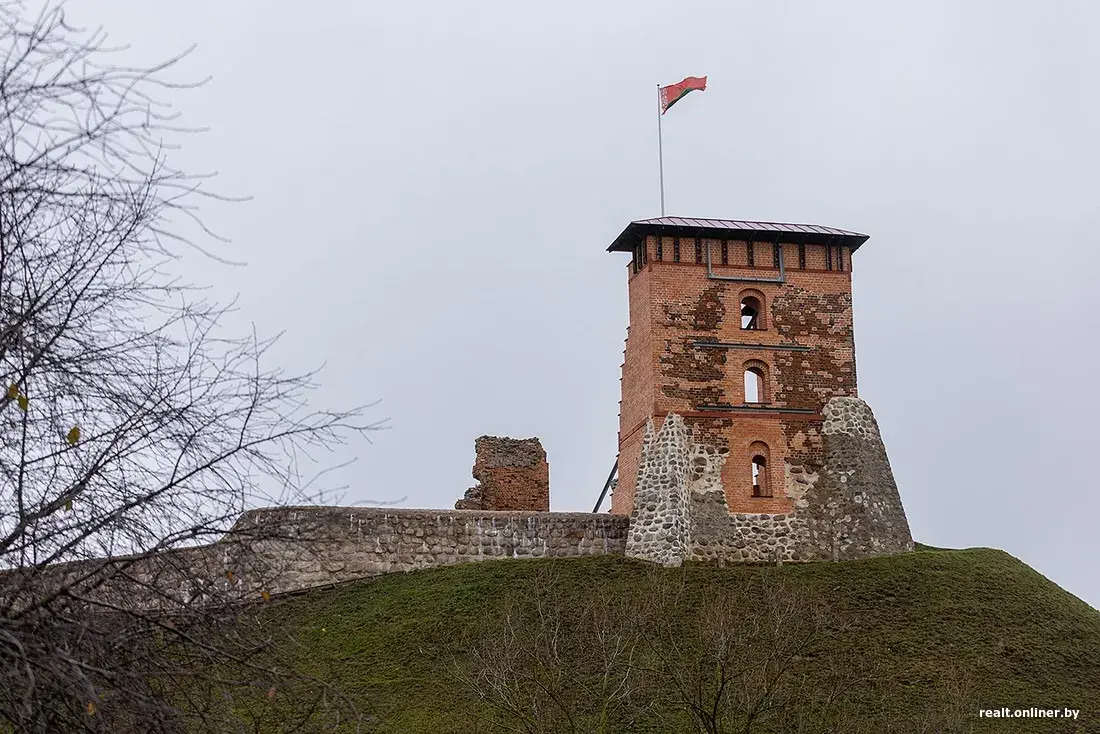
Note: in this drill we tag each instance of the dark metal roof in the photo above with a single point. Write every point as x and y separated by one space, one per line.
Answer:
735 229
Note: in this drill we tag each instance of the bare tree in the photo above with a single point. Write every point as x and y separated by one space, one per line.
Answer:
549 665
955 711
739 662
132 425
669 654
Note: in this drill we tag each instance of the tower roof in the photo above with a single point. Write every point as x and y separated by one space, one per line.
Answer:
734 229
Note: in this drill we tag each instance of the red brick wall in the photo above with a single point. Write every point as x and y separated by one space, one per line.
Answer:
637 388
630 454
674 304
512 475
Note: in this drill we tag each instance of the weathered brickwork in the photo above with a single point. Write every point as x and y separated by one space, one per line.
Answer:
746 355
687 353
512 475
637 392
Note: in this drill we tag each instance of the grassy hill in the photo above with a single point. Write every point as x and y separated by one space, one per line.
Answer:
906 644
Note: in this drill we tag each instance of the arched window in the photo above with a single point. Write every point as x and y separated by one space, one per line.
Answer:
756 382
752 310
754 385
761 487
750 313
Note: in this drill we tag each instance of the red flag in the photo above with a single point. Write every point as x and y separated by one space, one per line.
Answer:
672 94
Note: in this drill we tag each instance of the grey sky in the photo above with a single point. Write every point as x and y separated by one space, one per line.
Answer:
434 186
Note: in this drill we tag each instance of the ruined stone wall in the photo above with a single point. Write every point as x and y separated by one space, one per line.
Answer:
512 475
722 537
660 528
853 509
350 543
848 509
289 549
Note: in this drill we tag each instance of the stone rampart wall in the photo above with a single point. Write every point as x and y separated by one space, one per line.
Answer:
290 549
322 545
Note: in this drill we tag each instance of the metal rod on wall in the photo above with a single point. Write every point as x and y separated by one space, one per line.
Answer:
660 150
606 486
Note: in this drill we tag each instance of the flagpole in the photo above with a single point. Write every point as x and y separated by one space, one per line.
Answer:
660 150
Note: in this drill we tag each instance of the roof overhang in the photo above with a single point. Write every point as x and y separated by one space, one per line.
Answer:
730 229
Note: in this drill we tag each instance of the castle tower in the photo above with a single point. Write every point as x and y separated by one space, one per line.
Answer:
745 330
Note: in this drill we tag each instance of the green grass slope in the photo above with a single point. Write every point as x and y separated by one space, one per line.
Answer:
928 624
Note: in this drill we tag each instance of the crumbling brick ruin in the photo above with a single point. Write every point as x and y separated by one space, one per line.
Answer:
512 474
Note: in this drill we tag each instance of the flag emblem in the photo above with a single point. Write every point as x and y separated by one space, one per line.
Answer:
673 93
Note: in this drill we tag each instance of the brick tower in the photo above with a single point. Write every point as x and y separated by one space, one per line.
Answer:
745 330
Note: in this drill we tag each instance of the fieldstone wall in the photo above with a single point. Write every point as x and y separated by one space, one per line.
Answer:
289 549
660 529
850 508
331 544
853 510
512 474
722 537
165 580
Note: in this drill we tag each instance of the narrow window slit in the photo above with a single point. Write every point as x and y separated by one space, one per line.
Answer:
760 486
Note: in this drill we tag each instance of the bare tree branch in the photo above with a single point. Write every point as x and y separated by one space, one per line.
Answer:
133 426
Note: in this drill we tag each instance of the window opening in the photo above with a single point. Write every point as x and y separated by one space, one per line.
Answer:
750 313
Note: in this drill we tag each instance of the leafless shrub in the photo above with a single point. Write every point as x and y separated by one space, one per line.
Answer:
762 658
954 712
546 665
742 659
737 664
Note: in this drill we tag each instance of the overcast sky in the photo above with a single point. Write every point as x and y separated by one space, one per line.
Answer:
434 186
